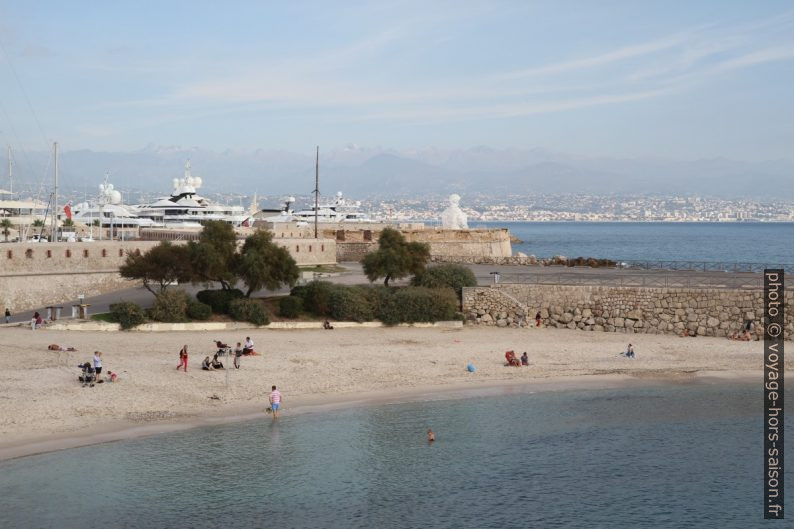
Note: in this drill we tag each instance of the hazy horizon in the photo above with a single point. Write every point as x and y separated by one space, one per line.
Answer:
613 80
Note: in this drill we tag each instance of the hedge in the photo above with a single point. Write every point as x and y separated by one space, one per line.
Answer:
454 276
219 300
170 306
197 310
248 310
128 314
290 307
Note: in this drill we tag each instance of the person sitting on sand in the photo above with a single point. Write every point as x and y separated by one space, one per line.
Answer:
206 365
216 364
248 347
431 437
327 326
745 337
524 359
510 356
630 351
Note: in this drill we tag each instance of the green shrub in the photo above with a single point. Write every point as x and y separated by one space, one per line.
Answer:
170 306
454 276
298 291
248 310
317 297
290 307
197 310
128 314
419 304
350 304
219 300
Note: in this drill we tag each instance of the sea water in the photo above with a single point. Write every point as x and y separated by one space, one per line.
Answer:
655 456
749 242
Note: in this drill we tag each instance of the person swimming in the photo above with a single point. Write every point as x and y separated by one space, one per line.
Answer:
431 437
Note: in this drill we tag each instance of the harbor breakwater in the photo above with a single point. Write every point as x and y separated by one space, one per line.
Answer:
701 312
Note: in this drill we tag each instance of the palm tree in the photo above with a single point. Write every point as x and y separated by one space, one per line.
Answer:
38 223
6 224
68 223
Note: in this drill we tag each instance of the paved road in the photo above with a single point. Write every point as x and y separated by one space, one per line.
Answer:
508 273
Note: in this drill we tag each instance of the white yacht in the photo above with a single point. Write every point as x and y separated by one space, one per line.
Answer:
339 210
107 211
186 209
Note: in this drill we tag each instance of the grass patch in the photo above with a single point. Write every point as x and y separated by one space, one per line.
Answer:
104 316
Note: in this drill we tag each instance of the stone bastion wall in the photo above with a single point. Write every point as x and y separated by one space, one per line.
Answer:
704 312
39 274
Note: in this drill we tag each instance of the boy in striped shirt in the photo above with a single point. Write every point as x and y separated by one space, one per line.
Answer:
275 402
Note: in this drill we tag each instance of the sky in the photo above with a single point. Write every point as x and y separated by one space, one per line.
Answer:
670 79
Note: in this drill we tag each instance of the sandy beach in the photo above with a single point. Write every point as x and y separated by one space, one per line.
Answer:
45 408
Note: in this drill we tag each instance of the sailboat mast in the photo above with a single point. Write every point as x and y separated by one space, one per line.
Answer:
54 220
316 189
10 175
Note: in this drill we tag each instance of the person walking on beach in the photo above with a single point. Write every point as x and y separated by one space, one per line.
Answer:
182 358
537 319
275 401
8 315
98 363
238 352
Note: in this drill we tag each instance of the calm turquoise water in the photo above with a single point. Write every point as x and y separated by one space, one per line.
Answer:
769 243
675 456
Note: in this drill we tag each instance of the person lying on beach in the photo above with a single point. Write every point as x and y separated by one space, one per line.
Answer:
524 359
56 347
206 365
216 364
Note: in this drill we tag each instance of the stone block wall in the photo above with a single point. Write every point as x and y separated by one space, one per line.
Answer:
704 312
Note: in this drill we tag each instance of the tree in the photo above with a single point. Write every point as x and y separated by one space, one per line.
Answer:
159 267
264 264
395 258
38 223
6 225
214 256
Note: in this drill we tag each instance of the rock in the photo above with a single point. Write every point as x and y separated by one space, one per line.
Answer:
520 254
566 318
712 322
544 313
609 328
749 315
486 318
598 328
571 325
634 314
701 331
619 322
501 323
586 313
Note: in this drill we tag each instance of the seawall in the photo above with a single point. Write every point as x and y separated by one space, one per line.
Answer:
700 311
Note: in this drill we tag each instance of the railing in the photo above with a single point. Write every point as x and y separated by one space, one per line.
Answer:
701 266
642 280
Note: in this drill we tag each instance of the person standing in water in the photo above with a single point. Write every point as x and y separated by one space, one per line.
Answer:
275 401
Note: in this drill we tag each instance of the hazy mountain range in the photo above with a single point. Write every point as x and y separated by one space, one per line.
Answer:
369 172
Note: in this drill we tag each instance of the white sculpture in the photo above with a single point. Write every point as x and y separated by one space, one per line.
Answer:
453 217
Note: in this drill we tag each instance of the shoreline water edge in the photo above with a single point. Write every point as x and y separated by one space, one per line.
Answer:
47 409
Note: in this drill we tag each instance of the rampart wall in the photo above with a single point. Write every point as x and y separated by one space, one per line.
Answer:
701 312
